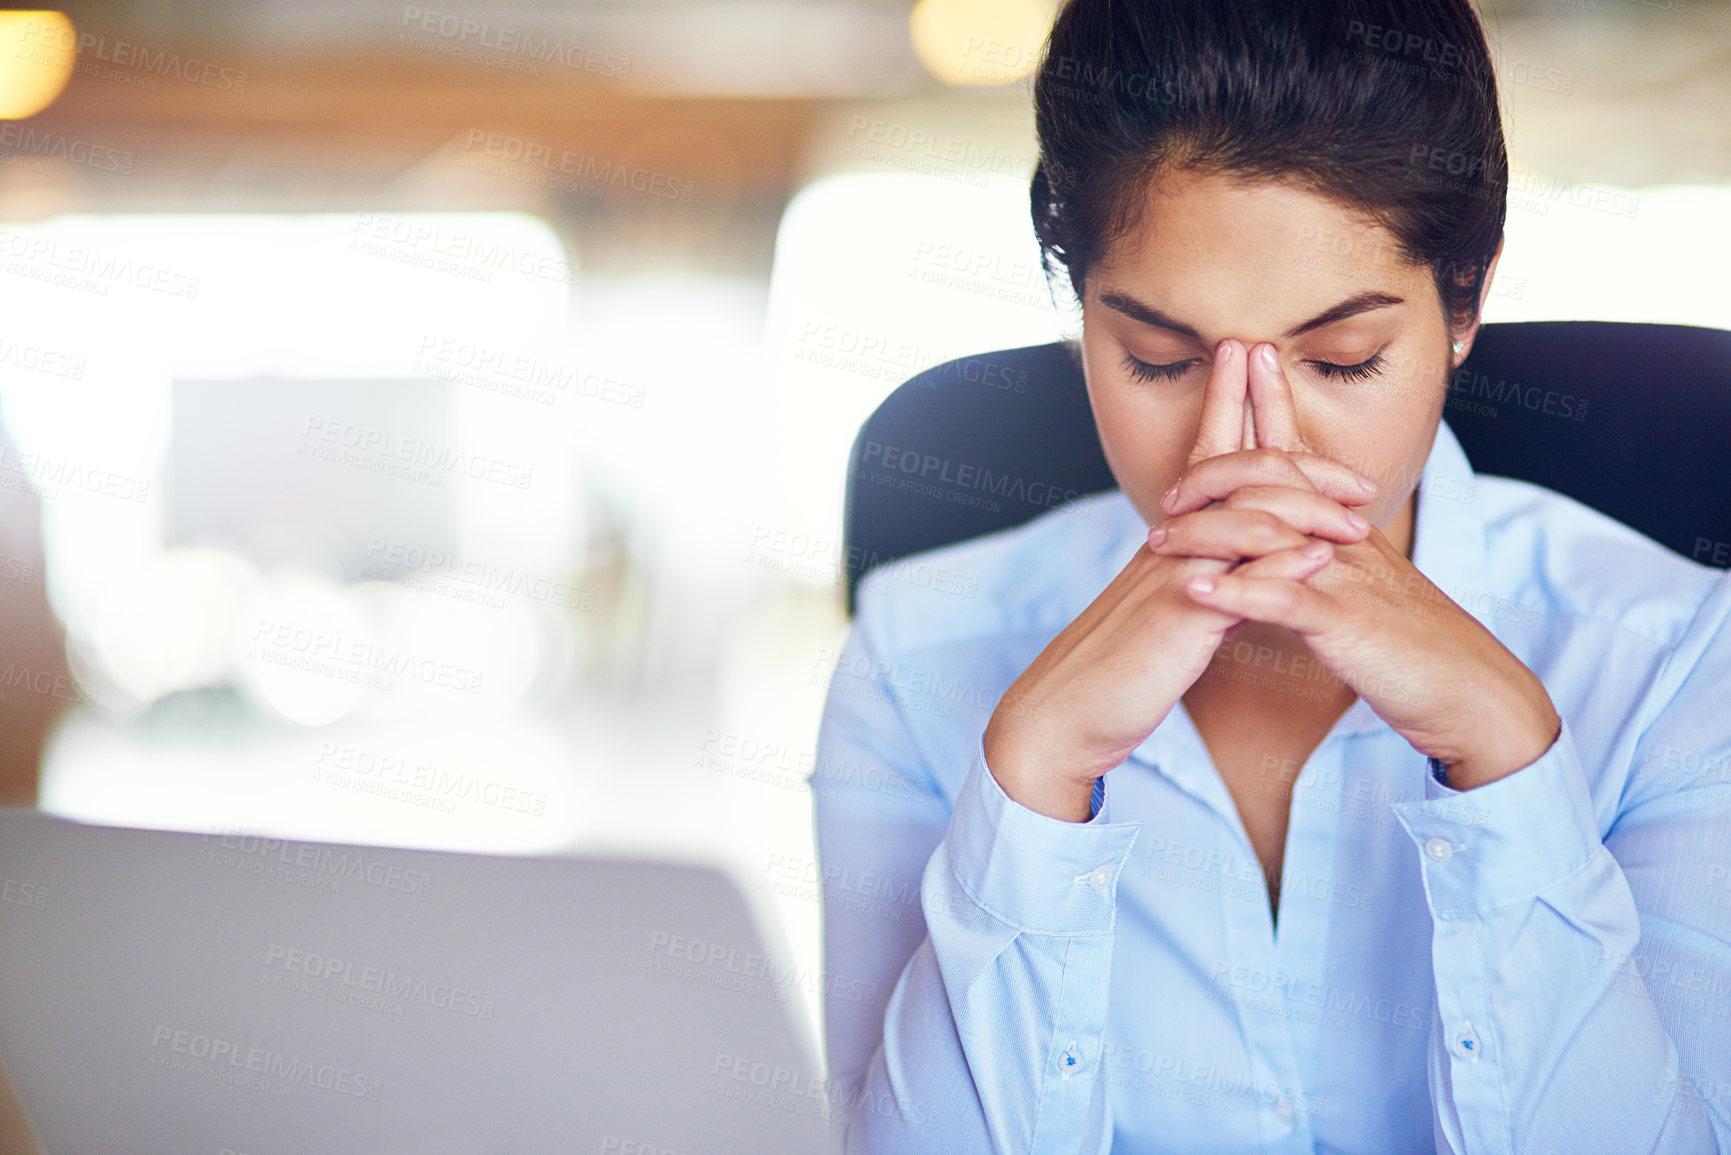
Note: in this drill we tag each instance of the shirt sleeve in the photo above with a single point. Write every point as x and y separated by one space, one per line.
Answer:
1583 983
989 924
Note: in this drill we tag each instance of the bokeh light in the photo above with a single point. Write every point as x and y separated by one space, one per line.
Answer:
37 52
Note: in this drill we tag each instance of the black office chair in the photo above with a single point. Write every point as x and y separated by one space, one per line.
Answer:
1631 419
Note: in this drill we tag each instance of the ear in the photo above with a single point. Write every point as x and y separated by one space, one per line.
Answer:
1472 331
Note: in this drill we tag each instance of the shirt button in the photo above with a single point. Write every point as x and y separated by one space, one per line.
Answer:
1283 1110
1467 1042
1439 849
1099 877
1071 1059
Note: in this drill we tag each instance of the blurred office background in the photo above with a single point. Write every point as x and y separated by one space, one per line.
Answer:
425 424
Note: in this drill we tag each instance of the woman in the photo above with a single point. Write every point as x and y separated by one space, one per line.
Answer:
1268 844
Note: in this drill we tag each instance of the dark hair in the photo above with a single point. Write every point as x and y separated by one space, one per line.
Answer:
1387 106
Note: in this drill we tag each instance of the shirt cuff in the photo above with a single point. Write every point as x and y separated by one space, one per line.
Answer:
1506 841
1030 870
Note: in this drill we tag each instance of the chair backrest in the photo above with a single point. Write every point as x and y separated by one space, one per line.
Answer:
1631 419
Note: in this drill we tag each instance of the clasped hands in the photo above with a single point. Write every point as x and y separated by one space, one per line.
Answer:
1299 555
1267 534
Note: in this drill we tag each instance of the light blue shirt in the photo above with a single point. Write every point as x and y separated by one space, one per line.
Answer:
1540 964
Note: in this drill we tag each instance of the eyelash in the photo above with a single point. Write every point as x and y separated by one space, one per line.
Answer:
1358 372
1147 374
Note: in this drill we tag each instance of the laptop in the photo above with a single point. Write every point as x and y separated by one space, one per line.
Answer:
233 994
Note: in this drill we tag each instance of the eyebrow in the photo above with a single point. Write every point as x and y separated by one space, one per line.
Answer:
1351 307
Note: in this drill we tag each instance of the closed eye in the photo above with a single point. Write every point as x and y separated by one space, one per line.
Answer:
1358 372
1144 372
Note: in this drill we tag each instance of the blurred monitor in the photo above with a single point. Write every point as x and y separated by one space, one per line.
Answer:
201 993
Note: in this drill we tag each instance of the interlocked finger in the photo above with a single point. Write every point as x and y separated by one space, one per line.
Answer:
1216 478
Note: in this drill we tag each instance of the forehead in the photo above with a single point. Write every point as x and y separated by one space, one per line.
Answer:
1260 248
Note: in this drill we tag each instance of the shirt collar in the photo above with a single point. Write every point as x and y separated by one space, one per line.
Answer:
1448 548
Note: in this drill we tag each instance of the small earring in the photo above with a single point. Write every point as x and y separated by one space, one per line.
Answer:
1457 348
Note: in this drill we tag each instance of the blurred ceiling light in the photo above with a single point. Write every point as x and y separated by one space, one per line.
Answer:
980 42
36 62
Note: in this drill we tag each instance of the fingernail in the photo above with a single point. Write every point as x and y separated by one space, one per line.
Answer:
1202 585
1317 552
1366 484
1157 535
1268 357
1223 350
1356 521
1166 500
